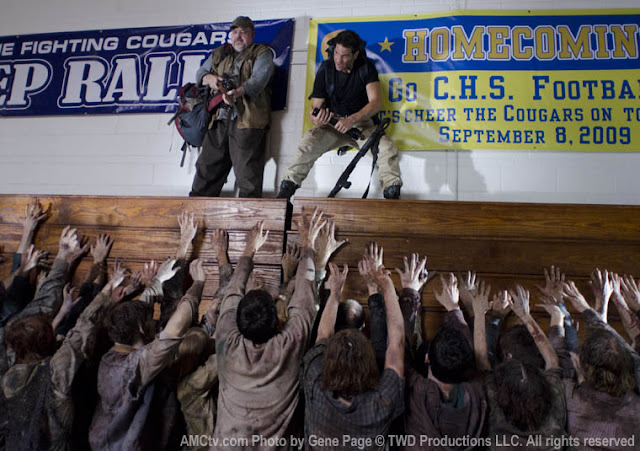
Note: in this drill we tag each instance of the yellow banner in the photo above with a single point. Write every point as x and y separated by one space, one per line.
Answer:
502 80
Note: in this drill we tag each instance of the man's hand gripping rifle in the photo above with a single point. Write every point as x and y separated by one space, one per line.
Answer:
370 143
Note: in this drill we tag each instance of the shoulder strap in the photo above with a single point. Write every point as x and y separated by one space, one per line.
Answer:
329 79
363 71
220 55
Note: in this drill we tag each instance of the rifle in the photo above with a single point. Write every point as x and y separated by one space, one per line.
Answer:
353 132
225 85
370 143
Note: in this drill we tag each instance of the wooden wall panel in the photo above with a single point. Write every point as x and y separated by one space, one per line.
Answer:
145 228
505 243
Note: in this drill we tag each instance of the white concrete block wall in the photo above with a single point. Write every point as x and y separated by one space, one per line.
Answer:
139 154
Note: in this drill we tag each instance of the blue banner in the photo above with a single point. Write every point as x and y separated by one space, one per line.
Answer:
132 70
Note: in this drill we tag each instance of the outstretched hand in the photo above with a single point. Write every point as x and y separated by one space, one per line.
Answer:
220 244
310 227
196 270
481 300
414 274
68 242
289 262
468 287
33 214
520 302
188 230
67 297
337 278
256 239
374 253
630 292
326 244
378 274
135 283
149 271
118 274
602 290
166 271
574 296
30 259
501 304
100 250
554 281
80 250
450 295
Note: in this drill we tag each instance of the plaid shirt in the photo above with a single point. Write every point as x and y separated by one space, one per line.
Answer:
330 424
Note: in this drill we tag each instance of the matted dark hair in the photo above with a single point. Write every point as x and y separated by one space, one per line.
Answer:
451 358
195 348
349 39
257 317
523 393
124 320
350 315
31 338
606 364
518 342
349 364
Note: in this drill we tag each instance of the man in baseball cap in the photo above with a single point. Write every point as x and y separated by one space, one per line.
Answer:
237 133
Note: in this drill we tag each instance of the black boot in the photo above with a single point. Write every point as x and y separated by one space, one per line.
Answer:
287 189
392 192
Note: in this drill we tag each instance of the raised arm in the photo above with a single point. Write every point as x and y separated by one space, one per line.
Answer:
336 283
630 320
326 244
394 357
520 306
99 251
557 332
93 282
468 287
33 215
49 295
67 302
413 276
289 263
220 245
187 310
79 342
236 288
553 290
602 290
631 293
594 321
172 289
480 304
153 276
188 231
158 354
499 308
28 261
302 305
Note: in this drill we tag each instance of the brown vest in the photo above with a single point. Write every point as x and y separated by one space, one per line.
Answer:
253 112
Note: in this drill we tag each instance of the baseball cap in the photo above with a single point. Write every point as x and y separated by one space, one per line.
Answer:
242 22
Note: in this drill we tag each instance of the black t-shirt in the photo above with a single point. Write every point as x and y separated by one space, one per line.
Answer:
350 92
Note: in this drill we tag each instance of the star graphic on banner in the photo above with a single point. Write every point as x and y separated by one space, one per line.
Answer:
385 45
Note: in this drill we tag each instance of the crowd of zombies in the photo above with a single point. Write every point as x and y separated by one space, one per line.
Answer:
92 366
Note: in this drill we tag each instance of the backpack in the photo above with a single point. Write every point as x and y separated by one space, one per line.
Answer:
192 117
